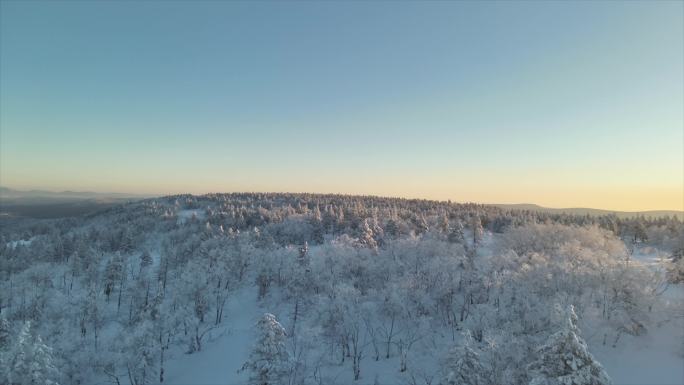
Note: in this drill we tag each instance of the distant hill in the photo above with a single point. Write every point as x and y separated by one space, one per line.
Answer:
54 204
589 211
51 204
8 194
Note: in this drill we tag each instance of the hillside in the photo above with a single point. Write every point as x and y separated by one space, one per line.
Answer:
593 212
358 290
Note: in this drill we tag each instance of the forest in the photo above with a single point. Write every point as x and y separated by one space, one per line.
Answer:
343 290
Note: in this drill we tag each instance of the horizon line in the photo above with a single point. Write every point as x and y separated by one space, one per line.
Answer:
168 194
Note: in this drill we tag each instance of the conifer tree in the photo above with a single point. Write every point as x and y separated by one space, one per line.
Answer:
268 361
4 334
478 231
366 238
464 366
4 343
565 358
456 234
30 361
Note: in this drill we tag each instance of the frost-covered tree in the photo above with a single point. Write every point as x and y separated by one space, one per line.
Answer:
145 260
140 352
675 271
268 363
444 226
565 358
639 231
456 234
4 343
5 333
391 228
476 227
30 361
366 237
464 366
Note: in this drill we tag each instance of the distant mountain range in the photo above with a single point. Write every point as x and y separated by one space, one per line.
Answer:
588 211
8 195
51 204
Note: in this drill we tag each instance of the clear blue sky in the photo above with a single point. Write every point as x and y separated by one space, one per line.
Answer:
556 103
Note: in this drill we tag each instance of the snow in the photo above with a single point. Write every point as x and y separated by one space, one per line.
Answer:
657 357
222 356
654 358
220 359
21 242
650 256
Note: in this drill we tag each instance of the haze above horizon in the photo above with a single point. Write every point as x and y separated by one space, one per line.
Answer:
561 104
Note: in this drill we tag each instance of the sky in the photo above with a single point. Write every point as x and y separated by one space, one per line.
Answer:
562 104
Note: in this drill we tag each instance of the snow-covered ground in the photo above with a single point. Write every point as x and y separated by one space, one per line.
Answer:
228 349
656 358
220 359
652 359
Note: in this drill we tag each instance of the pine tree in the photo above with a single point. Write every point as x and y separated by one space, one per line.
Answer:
30 361
145 260
444 225
366 238
4 334
4 344
304 259
140 343
456 235
316 221
565 359
268 361
639 231
478 231
422 225
378 232
391 228
464 366
112 275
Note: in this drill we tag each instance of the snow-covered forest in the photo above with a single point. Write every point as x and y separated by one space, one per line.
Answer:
332 289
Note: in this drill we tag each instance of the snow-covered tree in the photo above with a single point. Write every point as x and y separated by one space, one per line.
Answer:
5 333
444 226
391 228
268 363
145 260
565 358
456 234
464 366
141 353
4 343
639 232
476 227
675 270
30 361
366 238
